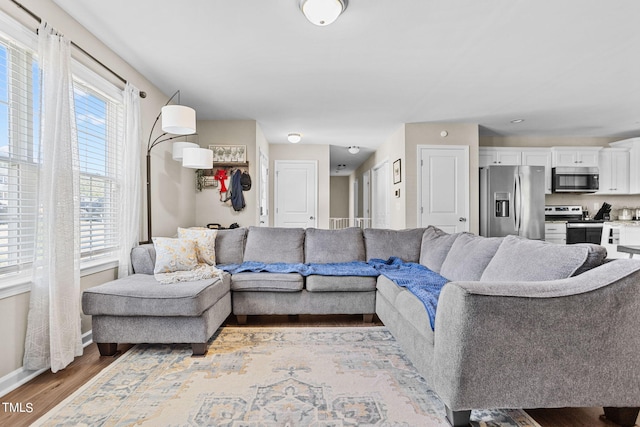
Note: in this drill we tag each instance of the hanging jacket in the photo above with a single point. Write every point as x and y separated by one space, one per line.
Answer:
237 198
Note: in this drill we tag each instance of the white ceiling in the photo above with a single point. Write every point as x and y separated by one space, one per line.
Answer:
568 67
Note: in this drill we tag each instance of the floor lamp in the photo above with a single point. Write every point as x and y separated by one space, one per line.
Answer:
177 120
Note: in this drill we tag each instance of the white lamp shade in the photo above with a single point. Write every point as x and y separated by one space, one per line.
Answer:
179 146
197 158
178 119
322 12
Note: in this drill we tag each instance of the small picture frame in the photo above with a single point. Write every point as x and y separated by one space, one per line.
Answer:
397 171
229 153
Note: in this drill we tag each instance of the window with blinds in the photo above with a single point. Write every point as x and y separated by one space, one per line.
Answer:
99 122
19 126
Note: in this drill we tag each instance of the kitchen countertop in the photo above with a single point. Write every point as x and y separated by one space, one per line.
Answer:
625 223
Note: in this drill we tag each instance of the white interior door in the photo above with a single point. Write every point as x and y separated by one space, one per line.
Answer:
264 190
381 215
443 187
296 193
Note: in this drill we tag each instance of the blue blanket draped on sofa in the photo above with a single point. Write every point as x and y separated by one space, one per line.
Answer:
418 279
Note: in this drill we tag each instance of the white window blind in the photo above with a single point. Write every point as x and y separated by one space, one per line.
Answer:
19 125
99 123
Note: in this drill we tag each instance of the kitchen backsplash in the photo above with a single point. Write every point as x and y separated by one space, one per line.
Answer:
588 201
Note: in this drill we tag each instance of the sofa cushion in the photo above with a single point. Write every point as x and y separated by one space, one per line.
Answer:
174 254
142 295
435 247
230 246
389 290
315 283
205 242
520 259
324 246
596 257
469 256
267 282
383 244
275 244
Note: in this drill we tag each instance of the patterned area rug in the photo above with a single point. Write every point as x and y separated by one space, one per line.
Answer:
267 377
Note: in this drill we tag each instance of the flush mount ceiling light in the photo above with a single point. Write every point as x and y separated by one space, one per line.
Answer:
517 120
294 138
322 12
354 149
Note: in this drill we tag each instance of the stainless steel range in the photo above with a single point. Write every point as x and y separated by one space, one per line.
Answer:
579 229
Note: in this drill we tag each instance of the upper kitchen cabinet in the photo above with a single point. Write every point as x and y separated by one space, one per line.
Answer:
614 171
488 156
575 156
539 157
512 156
633 145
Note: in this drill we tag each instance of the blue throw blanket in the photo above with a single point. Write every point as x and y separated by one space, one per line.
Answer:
418 279
354 268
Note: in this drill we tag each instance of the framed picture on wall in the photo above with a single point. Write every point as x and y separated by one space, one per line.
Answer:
229 153
397 171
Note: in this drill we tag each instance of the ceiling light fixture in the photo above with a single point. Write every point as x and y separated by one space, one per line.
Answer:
354 149
322 12
517 120
294 138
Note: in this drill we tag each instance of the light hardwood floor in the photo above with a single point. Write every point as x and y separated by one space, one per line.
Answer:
47 390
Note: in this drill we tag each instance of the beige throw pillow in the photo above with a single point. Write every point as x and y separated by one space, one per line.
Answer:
174 255
205 243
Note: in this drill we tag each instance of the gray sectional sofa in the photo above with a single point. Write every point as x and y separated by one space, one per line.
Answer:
521 324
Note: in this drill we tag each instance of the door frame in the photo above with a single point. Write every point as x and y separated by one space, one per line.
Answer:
419 148
263 160
276 165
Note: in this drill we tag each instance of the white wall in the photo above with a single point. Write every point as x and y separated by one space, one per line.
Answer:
339 195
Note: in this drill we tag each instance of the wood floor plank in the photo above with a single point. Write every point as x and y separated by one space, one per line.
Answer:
47 390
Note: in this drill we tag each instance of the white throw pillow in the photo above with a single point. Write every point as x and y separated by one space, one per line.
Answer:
205 243
174 254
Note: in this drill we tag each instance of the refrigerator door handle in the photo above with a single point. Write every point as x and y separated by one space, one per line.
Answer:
517 200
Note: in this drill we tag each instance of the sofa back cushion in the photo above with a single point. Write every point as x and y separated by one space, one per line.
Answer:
230 246
469 256
383 244
143 259
435 247
275 244
323 246
520 259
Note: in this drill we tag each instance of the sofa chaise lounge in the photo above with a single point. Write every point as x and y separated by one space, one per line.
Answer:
521 323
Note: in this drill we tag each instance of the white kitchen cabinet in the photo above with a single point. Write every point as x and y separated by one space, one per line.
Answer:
633 145
555 232
575 156
488 156
614 171
539 157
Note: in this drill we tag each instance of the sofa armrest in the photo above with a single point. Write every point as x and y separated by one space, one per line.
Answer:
572 342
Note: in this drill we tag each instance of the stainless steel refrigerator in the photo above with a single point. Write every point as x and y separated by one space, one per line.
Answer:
512 201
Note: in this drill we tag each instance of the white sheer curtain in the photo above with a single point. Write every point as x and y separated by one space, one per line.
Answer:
53 330
129 160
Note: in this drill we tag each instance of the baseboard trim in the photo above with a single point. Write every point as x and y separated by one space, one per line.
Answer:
21 376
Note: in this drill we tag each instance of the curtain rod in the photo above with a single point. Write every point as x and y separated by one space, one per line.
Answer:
118 76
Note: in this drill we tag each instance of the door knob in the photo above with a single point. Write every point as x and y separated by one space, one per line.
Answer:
462 219
311 217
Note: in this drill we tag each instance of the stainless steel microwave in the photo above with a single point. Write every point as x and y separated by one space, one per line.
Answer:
575 180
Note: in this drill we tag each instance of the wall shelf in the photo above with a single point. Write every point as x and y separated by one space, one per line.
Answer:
230 164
